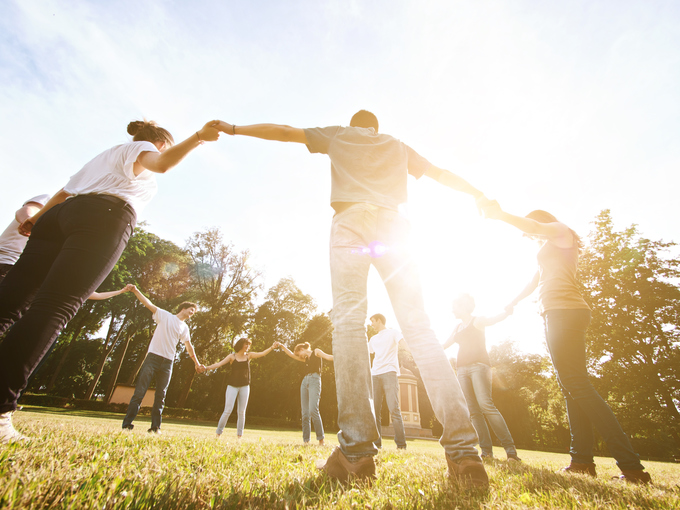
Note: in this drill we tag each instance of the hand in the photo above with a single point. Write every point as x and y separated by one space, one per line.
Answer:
510 308
200 368
209 132
26 227
317 352
129 288
225 127
276 345
490 208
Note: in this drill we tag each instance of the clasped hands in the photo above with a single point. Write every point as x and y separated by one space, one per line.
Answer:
488 208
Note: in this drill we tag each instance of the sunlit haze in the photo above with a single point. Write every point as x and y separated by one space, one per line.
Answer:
570 107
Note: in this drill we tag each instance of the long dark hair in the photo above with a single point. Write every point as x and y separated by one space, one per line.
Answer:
545 217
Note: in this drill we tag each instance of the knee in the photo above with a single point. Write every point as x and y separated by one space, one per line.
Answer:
577 387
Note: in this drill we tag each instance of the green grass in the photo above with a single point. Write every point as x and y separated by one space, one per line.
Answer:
83 460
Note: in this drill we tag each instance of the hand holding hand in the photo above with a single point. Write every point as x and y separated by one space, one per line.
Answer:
276 345
491 209
225 127
26 227
209 132
129 288
317 352
510 308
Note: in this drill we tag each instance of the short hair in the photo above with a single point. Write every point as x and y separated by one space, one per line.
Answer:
186 304
379 317
364 119
299 347
149 131
545 217
241 342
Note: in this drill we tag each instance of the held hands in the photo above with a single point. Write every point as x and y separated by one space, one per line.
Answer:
490 209
209 132
26 227
200 368
317 352
276 345
225 127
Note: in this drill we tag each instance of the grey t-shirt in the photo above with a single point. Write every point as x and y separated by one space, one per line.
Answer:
366 166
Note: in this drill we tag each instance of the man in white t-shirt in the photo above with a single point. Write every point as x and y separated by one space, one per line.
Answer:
385 376
12 243
160 357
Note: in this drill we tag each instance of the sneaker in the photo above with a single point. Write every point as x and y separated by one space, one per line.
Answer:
8 434
512 457
469 471
583 469
487 457
128 427
154 431
401 447
637 476
339 467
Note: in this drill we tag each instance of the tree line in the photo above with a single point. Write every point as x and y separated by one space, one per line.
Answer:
633 344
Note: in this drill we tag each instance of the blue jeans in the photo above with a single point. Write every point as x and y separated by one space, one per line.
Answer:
363 235
565 332
157 367
475 380
234 393
310 393
387 385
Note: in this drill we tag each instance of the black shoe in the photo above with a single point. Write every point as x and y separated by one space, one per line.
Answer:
154 431
128 427
513 457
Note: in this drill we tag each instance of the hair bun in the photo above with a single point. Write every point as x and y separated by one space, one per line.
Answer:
135 127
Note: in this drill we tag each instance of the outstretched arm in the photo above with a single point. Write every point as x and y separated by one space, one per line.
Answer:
144 300
27 224
527 291
452 181
27 211
255 355
555 231
98 296
276 132
319 353
288 351
226 360
483 322
161 162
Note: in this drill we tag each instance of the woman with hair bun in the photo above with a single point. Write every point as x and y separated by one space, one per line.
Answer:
238 386
566 316
75 240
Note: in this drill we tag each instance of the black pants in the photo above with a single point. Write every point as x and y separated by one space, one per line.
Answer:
72 248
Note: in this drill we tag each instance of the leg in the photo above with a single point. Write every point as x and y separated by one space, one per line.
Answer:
476 415
378 393
163 375
243 395
391 387
229 401
349 272
401 279
314 397
146 375
74 250
565 335
304 405
482 378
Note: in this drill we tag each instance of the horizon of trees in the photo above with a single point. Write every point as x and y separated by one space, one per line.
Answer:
630 282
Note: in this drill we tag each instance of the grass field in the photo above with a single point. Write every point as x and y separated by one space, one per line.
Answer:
84 460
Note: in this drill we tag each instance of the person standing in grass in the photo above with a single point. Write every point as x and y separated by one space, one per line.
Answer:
160 358
369 172
385 376
75 240
310 388
238 385
475 376
567 316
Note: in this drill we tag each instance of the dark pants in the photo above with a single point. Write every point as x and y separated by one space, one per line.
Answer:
565 332
4 269
154 367
72 248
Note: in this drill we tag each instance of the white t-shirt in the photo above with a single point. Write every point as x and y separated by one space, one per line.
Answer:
12 243
169 331
385 345
111 173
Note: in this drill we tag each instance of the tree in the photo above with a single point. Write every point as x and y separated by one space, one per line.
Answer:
634 341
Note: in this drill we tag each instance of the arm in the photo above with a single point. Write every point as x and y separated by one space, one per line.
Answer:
482 322
527 291
27 211
318 352
451 340
555 231
98 296
228 359
453 181
161 162
289 352
27 224
276 132
144 300
255 355
192 354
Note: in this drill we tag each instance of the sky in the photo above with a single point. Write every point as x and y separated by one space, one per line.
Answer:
572 107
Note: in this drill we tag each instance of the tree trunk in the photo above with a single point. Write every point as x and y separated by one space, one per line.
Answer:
64 356
105 354
116 371
138 364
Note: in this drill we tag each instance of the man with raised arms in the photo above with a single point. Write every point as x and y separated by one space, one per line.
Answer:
369 173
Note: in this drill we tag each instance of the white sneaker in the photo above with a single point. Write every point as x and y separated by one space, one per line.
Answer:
8 434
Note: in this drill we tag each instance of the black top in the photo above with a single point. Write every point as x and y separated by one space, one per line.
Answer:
313 364
472 343
240 373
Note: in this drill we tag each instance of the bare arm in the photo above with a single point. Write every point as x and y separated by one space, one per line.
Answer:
192 354
98 296
276 132
452 181
452 339
527 291
318 352
27 211
483 322
556 232
289 352
255 355
161 162
144 300
27 224
228 359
